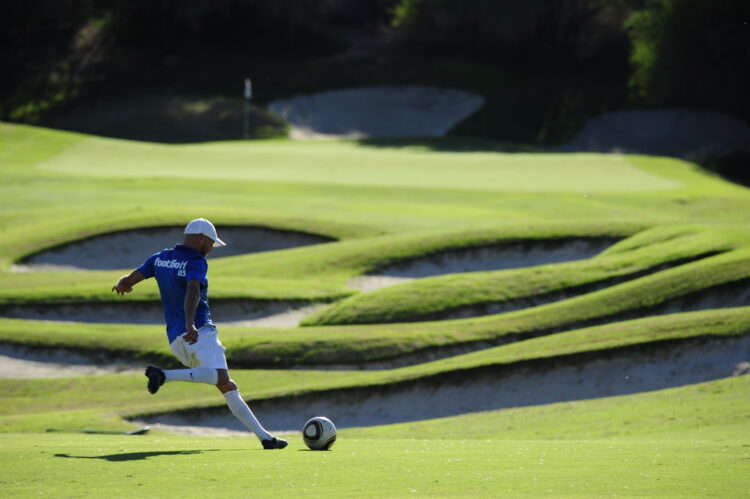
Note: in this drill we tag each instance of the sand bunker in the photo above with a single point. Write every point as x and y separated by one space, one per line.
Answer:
20 362
508 256
128 249
618 373
729 295
128 245
289 313
682 133
377 112
735 294
226 313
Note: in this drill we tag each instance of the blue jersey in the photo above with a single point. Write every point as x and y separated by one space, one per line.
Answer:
173 269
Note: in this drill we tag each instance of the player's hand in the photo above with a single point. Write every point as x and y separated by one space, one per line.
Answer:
120 290
191 337
126 282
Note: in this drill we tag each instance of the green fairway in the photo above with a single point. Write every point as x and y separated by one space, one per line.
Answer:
678 442
351 164
295 186
181 466
674 276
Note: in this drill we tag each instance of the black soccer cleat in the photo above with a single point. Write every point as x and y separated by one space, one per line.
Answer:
274 443
155 378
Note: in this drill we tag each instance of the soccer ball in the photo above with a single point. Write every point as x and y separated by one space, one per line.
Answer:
319 433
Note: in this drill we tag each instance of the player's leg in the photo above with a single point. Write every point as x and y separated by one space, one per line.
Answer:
194 375
210 354
186 354
157 377
242 411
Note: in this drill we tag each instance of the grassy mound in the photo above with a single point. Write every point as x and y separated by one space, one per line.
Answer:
438 297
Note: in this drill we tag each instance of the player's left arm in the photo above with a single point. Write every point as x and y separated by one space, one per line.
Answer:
192 298
195 278
126 282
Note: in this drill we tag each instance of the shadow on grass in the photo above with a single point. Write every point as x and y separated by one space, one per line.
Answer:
731 166
138 456
451 144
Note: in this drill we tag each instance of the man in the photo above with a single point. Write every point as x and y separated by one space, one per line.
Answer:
181 275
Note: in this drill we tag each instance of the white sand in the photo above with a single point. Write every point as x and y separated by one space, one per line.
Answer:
615 374
281 314
250 314
290 317
684 133
128 249
508 256
393 111
19 362
387 111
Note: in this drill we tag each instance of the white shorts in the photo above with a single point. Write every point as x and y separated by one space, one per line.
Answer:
206 352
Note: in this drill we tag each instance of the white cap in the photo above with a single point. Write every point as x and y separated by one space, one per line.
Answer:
203 226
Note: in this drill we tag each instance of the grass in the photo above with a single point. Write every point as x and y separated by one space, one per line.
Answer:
335 163
654 444
68 402
681 233
137 466
244 181
436 297
401 223
318 271
353 344
707 411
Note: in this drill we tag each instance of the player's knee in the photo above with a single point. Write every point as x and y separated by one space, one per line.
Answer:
224 382
222 377
227 387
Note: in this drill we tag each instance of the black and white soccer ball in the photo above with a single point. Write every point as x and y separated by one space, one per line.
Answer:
319 433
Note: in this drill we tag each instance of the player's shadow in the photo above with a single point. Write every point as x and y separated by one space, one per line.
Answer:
137 456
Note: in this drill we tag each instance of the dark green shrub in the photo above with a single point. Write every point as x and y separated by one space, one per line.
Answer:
692 53
540 29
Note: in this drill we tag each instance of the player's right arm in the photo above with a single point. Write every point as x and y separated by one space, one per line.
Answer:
145 271
126 282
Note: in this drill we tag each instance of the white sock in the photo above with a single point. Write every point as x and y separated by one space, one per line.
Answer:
242 412
195 375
